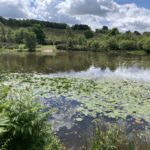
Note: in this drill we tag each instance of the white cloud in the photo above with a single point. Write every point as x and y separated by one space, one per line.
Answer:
95 13
87 7
15 9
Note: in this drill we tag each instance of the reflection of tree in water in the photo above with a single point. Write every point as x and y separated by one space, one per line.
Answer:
67 61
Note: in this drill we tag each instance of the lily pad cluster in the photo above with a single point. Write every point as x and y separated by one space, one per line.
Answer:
112 98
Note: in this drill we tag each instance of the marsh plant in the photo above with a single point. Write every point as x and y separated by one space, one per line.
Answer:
24 123
113 137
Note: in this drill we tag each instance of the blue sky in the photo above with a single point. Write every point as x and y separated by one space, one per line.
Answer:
140 3
123 14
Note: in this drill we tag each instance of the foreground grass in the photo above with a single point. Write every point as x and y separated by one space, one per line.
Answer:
113 137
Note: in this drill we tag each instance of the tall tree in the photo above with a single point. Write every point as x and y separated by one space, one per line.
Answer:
2 33
40 35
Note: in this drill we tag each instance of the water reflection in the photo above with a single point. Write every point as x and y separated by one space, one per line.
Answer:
134 73
67 61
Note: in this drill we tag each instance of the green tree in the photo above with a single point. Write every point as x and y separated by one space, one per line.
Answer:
113 44
20 35
114 31
127 45
88 34
146 45
2 33
69 32
10 35
30 41
82 40
40 35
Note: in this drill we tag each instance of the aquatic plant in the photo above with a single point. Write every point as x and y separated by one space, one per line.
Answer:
113 137
112 98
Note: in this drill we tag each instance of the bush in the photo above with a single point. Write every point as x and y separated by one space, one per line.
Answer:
112 43
19 35
30 41
88 34
48 42
146 45
127 45
104 45
78 48
61 46
82 40
95 45
71 43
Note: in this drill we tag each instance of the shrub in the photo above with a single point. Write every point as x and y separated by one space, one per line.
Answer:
61 46
82 40
103 45
146 45
95 45
114 31
88 34
112 43
19 35
71 43
127 45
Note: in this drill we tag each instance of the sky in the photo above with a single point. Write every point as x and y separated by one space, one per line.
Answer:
123 14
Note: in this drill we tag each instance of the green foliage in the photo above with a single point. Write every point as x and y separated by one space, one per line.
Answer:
127 45
24 124
104 45
30 22
40 35
95 45
69 32
20 35
113 137
80 27
106 139
82 40
10 36
30 41
77 37
113 44
114 31
71 42
88 34
2 33
146 45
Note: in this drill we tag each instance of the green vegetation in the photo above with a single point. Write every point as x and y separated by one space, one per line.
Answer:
118 99
76 38
112 137
30 41
24 122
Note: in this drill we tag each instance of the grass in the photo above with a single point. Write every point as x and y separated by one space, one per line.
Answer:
21 48
112 137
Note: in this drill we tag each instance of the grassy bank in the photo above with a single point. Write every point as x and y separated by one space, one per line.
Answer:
22 48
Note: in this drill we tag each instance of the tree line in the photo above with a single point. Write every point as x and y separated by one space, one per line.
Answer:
77 37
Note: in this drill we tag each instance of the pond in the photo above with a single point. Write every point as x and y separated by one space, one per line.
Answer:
83 86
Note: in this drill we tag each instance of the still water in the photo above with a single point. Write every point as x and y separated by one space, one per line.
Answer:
80 65
73 61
